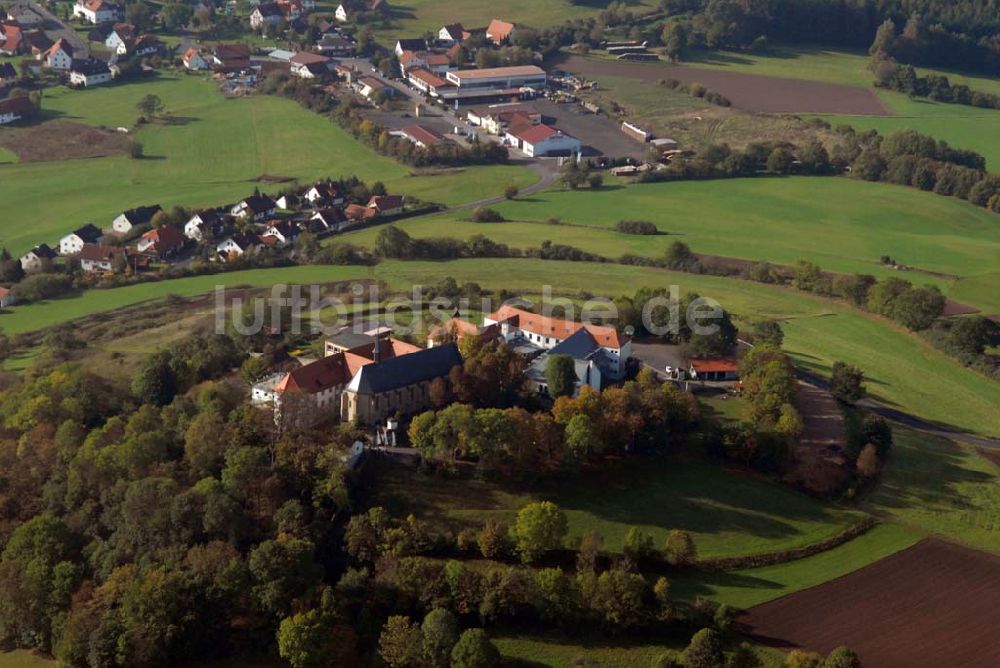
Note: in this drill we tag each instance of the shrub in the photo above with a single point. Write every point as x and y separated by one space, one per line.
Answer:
486 215
643 227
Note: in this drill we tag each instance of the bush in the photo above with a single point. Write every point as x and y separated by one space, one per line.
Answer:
487 215
643 227
38 287
847 382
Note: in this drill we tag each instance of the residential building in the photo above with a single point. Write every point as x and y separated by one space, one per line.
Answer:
541 140
436 63
325 193
89 72
368 87
397 386
495 119
307 65
256 207
349 9
414 44
144 45
141 215
335 45
163 242
237 245
38 258
283 232
358 214
97 258
97 11
266 13
193 60
426 81
119 35
231 57
328 219
74 242
60 55
499 32
422 136
211 224
37 42
386 205
7 297
11 39
15 109
547 333
453 33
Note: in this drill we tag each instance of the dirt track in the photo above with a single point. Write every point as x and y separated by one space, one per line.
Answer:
750 92
929 605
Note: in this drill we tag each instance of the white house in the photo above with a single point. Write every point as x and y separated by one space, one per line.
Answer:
144 45
97 258
453 33
89 72
332 218
307 65
193 60
120 34
266 13
140 215
325 193
256 207
74 242
237 245
386 205
37 258
97 11
283 231
162 242
60 55
541 140
349 9
204 222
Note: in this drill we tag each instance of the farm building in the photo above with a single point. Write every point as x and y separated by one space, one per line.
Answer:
714 369
636 133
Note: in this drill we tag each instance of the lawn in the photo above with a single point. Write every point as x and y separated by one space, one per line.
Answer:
20 658
818 331
841 224
211 154
726 514
934 485
754 586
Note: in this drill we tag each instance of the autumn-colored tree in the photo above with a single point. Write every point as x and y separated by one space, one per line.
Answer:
868 463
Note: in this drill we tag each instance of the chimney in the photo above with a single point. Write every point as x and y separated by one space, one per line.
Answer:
377 353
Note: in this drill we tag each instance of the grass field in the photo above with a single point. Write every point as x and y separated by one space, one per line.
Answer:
936 486
20 658
726 514
210 155
818 331
963 126
841 224
750 587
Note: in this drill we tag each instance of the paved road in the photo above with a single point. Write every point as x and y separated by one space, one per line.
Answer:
80 49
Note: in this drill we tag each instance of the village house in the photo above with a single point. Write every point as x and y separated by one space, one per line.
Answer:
283 232
422 136
141 215
257 207
11 39
386 205
499 32
193 60
369 87
236 246
37 43
359 214
436 63
210 223
231 57
120 34
266 13
453 34
7 297
328 219
714 369
15 109
38 258
349 9
325 193
413 44
89 72
335 45
95 258
97 11
397 386
426 81
163 242
542 140
75 241
144 45
60 55
307 65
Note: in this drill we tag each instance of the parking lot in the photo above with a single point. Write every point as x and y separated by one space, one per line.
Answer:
600 135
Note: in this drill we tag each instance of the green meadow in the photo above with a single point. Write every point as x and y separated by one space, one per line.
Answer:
727 515
818 331
212 152
841 224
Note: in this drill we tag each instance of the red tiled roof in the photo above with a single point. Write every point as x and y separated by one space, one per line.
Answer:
306 58
165 238
715 365
463 328
357 212
99 253
427 77
533 134
499 30
385 202
422 134
387 349
320 375
437 59
558 328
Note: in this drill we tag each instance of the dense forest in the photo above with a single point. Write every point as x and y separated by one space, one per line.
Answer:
964 34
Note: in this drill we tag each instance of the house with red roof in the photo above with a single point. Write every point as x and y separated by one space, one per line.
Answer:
541 140
162 242
386 205
422 136
193 60
60 55
359 214
499 32
714 369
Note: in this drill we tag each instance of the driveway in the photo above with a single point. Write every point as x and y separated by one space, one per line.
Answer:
80 48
